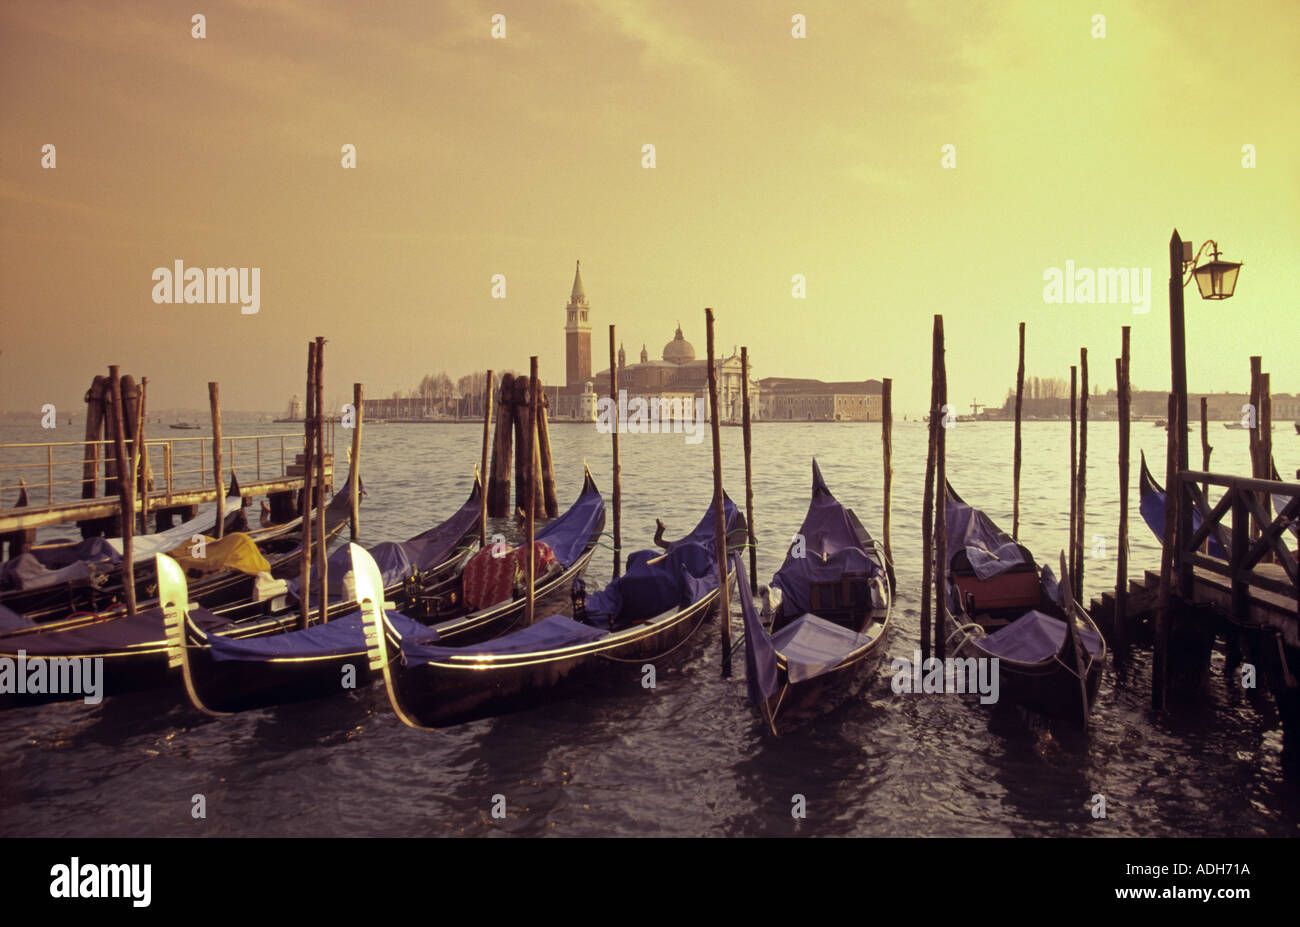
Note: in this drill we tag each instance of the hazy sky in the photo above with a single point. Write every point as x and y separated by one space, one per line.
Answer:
775 156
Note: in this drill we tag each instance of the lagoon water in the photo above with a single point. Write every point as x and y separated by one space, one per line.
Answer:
690 757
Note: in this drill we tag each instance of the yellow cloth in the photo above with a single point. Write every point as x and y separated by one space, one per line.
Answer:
233 552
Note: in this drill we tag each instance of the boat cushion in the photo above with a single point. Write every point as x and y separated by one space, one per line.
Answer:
551 633
813 646
1035 637
490 579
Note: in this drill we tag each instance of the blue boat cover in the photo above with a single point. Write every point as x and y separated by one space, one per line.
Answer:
656 582
831 548
705 532
760 654
990 550
398 560
334 638
567 536
551 633
10 620
1035 637
111 635
812 646
26 572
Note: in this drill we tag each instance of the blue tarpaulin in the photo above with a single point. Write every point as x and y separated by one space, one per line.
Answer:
812 646
656 582
551 633
334 638
760 655
111 635
831 547
1035 637
990 550
567 535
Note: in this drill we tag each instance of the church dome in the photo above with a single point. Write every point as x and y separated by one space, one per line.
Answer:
679 350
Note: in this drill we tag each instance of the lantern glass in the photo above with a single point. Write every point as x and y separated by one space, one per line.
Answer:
1217 279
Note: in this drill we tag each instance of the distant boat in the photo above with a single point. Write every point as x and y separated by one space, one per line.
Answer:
185 426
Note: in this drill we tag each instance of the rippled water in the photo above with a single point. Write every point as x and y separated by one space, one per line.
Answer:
690 756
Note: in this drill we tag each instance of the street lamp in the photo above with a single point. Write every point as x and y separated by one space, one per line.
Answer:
1215 279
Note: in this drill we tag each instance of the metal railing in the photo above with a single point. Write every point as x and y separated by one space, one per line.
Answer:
171 464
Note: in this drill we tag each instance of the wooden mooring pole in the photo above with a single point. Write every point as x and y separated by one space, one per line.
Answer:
487 439
1081 513
1206 449
305 528
145 477
546 465
887 462
320 479
528 452
499 484
95 428
214 403
613 432
1168 561
125 493
941 502
1074 473
354 469
1120 627
1015 457
749 471
719 517
927 496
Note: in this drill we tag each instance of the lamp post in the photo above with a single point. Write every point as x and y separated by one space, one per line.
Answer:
1216 279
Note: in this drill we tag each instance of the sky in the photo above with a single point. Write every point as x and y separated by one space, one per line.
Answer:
774 156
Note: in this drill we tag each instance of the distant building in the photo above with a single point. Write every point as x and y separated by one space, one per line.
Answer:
788 399
1154 404
677 375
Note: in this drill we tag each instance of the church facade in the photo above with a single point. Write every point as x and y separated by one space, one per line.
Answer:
676 374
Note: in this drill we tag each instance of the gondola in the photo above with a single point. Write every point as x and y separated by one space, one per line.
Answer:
135 652
1002 606
225 675
1151 503
831 603
645 615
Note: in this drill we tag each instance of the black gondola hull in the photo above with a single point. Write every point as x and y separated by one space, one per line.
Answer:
452 692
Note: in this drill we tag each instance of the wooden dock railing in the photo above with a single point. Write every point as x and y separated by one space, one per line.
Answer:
1246 499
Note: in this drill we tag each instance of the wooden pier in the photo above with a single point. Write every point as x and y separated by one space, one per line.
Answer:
1251 599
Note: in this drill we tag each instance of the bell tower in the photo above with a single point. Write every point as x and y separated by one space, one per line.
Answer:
577 334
